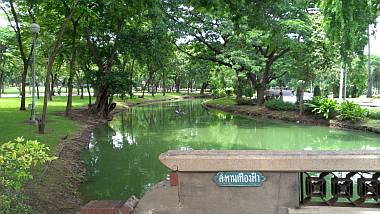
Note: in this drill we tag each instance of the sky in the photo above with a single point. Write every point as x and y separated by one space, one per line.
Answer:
374 39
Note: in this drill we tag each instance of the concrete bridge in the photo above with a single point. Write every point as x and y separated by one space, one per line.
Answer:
295 182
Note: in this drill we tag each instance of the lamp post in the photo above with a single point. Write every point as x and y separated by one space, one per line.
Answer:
35 28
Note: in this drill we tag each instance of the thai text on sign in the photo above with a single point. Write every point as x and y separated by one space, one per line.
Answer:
239 179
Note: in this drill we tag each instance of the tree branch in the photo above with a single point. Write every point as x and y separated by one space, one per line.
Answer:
282 52
115 47
93 51
274 76
206 58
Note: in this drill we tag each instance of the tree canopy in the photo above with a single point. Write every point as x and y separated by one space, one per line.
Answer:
120 47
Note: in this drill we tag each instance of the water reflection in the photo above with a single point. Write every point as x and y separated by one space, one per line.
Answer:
122 158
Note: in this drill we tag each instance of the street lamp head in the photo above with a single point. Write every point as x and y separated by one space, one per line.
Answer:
35 28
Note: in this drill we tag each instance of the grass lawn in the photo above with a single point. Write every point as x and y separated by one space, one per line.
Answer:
14 123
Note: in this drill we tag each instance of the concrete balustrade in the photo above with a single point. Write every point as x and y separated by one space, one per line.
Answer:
197 192
270 161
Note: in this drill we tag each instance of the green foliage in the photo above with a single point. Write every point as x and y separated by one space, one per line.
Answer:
323 106
248 91
374 114
119 83
280 105
245 101
346 27
229 91
354 91
351 111
219 92
225 101
16 160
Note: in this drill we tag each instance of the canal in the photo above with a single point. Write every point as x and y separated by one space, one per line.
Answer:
122 159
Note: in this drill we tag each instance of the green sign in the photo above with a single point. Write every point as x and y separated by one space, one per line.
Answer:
239 179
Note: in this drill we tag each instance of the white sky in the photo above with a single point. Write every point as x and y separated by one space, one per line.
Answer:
374 40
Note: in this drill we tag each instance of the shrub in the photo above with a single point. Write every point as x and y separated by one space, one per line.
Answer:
280 105
219 92
245 101
351 111
16 160
248 91
323 106
229 91
374 114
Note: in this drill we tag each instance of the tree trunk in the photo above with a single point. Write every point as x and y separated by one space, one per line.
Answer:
81 92
42 121
188 87
101 101
163 83
301 104
239 88
298 95
78 85
52 92
1 82
38 91
260 95
152 89
131 79
177 83
16 23
69 104
204 87
89 92
23 83
143 89
3 88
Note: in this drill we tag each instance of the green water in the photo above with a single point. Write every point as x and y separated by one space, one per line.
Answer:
122 158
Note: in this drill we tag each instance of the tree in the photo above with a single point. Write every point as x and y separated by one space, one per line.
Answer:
239 35
53 52
74 28
347 28
15 18
6 56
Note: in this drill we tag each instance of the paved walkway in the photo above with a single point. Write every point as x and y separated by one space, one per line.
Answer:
362 101
161 199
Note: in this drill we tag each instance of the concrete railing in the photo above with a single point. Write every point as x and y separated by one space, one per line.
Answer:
285 185
270 161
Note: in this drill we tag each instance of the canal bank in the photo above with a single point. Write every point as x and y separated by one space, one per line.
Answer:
56 188
292 116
